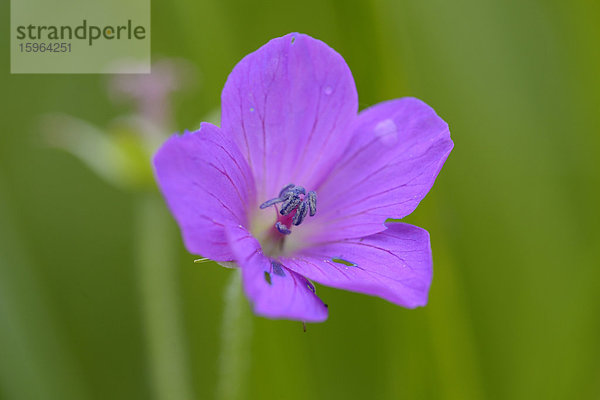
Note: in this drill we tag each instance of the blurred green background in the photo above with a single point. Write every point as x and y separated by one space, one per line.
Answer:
99 299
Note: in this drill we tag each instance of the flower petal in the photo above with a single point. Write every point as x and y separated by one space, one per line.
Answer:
274 290
398 149
208 186
288 106
394 264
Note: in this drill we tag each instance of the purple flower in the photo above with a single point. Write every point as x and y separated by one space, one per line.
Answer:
297 185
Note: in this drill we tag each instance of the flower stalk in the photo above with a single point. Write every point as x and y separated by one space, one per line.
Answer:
160 303
236 335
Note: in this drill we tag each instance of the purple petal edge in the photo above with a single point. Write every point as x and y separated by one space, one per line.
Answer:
207 185
397 151
283 294
287 106
395 264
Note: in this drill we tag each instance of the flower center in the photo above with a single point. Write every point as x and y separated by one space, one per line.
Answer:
291 206
296 205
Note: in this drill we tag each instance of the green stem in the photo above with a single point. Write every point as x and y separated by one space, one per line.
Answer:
159 289
236 337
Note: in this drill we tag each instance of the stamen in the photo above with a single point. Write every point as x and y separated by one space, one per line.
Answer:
300 213
282 228
290 204
269 203
300 189
312 202
277 268
285 189
297 203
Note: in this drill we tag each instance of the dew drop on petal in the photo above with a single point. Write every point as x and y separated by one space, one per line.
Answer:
251 109
328 90
387 131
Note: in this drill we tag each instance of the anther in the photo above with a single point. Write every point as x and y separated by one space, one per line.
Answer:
299 189
277 268
297 204
290 204
288 194
269 203
282 228
300 213
285 189
312 202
